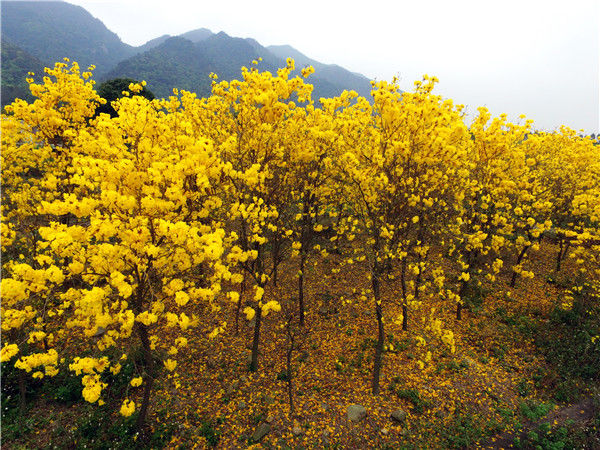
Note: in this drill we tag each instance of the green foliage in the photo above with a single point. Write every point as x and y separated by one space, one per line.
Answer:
462 432
412 395
282 376
565 436
474 295
533 410
112 90
209 432
16 63
451 365
566 339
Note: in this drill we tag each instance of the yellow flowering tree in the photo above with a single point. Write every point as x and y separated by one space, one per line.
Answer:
312 190
570 173
248 120
37 157
400 162
141 255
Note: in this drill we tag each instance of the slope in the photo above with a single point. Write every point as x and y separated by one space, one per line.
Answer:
53 30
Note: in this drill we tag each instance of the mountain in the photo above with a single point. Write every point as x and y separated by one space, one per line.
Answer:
179 62
185 64
176 62
53 30
16 63
331 72
197 35
45 32
152 43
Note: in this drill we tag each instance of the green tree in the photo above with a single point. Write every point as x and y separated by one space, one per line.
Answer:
112 90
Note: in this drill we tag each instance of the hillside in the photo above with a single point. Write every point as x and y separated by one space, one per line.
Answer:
174 63
50 31
16 63
187 61
197 35
332 73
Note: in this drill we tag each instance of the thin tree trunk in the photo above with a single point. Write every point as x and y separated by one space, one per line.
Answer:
567 247
255 341
559 256
305 238
459 305
149 377
289 367
513 280
404 306
301 286
380 333
562 253
239 304
22 394
275 256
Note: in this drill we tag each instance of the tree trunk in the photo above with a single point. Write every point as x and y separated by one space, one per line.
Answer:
559 256
459 305
22 394
301 286
290 351
255 341
275 257
513 280
562 253
148 377
380 333
239 304
567 247
305 240
404 306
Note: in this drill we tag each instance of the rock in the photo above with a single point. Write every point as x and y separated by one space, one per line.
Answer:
399 415
249 358
296 430
232 387
262 430
270 418
356 413
469 362
384 431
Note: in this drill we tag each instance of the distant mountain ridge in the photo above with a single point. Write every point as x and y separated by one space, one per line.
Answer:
46 32
52 30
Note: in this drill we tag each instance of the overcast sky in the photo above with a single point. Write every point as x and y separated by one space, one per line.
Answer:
534 57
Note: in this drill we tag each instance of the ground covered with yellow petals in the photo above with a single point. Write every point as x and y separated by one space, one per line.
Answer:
496 388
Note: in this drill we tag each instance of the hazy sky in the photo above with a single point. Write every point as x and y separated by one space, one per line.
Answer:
533 57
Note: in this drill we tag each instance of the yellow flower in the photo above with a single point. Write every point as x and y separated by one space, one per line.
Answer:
249 312
8 351
127 408
170 365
